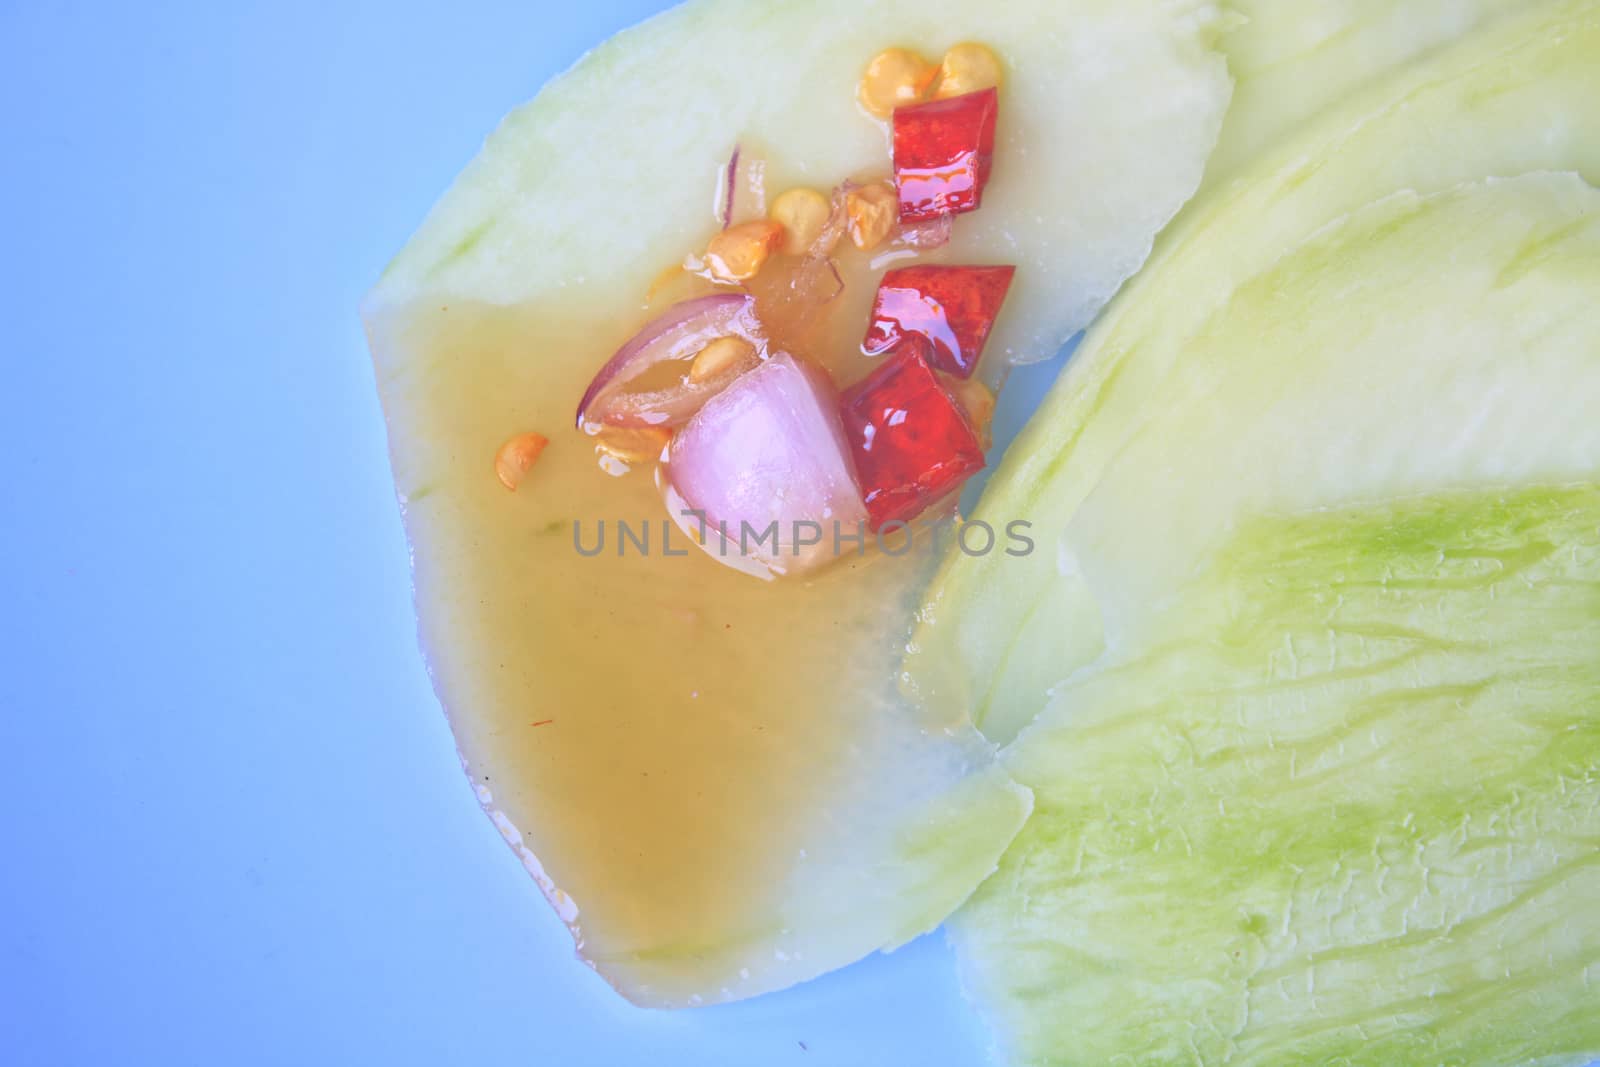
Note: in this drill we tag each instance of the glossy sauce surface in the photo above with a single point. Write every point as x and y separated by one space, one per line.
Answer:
657 725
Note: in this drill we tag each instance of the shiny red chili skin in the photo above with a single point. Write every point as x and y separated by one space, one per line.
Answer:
943 154
954 308
911 440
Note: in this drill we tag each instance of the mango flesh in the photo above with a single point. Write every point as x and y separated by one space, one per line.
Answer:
1290 61
997 635
1332 794
715 780
1313 631
1110 111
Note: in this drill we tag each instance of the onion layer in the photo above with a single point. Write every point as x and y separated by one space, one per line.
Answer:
769 452
678 334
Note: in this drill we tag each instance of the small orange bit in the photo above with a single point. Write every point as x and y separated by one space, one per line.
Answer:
721 356
633 444
803 213
873 210
517 457
896 77
738 253
968 68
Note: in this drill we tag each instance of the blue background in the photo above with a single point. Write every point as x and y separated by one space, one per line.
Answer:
232 824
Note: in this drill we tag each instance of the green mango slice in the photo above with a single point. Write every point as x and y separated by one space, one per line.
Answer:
997 634
1330 791
715 781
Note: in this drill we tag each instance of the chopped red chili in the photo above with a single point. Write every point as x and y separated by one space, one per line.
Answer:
911 440
953 307
943 152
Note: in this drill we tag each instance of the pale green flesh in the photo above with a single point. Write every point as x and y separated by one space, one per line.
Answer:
1515 97
1331 792
1355 821
715 781
1289 61
1111 109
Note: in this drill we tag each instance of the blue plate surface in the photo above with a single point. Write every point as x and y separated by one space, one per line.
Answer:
234 829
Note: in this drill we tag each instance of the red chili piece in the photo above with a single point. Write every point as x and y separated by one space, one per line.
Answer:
910 439
943 152
953 307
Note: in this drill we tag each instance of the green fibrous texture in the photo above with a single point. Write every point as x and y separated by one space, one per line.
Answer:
1289 61
1354 820
1513 97
1330 793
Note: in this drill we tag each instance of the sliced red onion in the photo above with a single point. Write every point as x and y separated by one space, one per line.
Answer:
677 334
741 189
768 449
729 187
